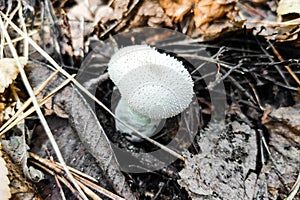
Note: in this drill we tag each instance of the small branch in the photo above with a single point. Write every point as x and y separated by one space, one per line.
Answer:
78 176
286 66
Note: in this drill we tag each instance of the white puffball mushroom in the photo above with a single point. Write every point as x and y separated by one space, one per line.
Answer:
153 84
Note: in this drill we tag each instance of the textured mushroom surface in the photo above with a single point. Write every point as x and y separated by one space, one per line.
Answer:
154 84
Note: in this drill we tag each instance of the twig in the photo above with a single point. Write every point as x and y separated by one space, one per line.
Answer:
275 65
78 175
211 60
286 66
62 179
37 108
62 194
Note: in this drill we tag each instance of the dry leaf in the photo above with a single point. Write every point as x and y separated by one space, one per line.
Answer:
17 148
20 188
4 186
206 11
120 8
9 71
151 13
290 115
288 7
104 14
223 168
211 17
176 9
283 142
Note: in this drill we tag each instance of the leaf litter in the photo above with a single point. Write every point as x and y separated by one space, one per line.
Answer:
266 190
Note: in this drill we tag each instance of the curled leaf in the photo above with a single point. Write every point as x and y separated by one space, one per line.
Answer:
9 71
4 186
176 9
17 149
288 7
206 11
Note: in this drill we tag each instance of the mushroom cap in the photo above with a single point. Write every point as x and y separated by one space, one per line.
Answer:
154 84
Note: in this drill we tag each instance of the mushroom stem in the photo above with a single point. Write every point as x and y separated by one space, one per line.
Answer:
143 124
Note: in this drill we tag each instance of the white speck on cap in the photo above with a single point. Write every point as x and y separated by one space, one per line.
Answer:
154 84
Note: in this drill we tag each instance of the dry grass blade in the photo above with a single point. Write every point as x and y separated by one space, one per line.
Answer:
86 92
22 21
19 118
12 14
83 178
36 105
295 189
21 38
28 102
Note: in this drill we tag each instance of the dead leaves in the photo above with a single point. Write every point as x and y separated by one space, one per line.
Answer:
200 18
204 13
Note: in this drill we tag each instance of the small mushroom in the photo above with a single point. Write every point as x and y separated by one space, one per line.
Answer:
153 85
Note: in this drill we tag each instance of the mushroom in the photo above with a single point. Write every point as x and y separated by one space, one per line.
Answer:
153 86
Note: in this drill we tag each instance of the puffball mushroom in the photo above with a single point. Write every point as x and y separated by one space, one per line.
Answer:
153 86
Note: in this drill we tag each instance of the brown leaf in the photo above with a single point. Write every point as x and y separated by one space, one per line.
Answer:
206 11
152 14
176 9
104 14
